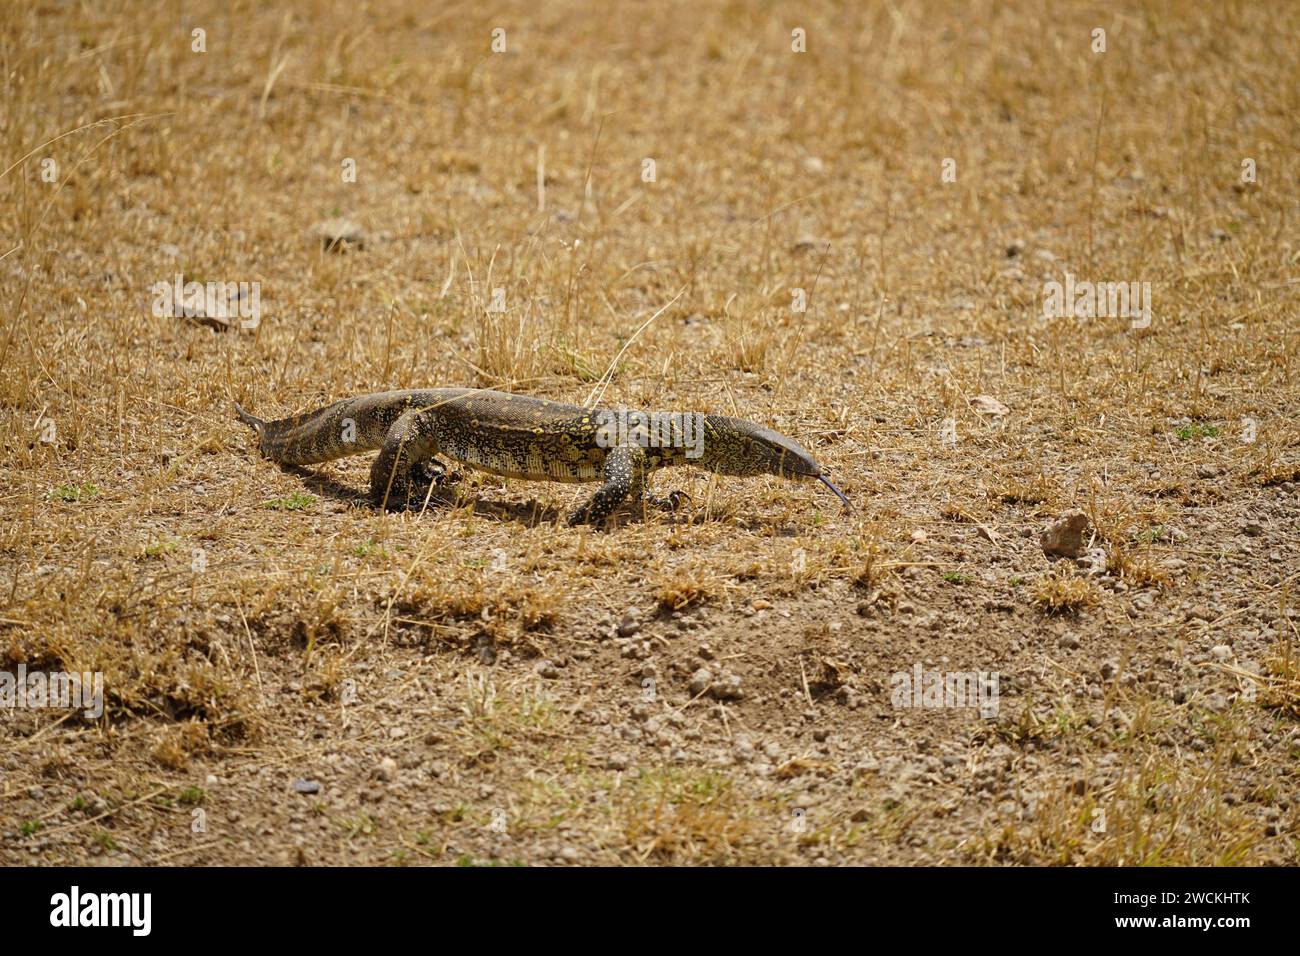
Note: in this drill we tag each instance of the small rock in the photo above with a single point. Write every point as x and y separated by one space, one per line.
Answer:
339 234
1064 536
1094 561
727 688
630 624
988 405
306 786
386 770
1222 651
616 762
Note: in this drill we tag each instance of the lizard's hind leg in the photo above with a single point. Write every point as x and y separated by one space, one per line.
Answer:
433 471
406 462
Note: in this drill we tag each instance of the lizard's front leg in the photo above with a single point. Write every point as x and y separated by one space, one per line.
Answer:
621 468
408 445
640 492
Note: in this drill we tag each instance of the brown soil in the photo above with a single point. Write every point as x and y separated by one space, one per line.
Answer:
293 677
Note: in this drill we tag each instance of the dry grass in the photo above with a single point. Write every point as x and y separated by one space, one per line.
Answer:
1064 592
262 626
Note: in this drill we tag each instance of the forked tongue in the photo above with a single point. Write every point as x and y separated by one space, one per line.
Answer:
839 494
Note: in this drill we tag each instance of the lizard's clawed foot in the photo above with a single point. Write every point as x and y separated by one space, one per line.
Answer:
671 503
433 472
596 516
412 494
578 516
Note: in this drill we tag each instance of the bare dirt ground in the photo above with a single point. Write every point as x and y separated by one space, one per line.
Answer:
291 677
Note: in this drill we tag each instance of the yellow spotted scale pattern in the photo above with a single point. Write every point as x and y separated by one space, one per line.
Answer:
517 436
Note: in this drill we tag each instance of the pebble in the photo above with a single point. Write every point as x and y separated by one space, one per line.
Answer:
306 786
727 687
701 680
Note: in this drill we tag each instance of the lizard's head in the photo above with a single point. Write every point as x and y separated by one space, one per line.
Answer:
733 446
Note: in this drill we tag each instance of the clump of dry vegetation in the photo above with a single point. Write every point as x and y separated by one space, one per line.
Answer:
1064 592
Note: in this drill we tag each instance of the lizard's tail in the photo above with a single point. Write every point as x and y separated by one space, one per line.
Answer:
252 421
348 427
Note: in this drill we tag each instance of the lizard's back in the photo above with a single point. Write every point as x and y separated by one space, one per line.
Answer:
518 436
